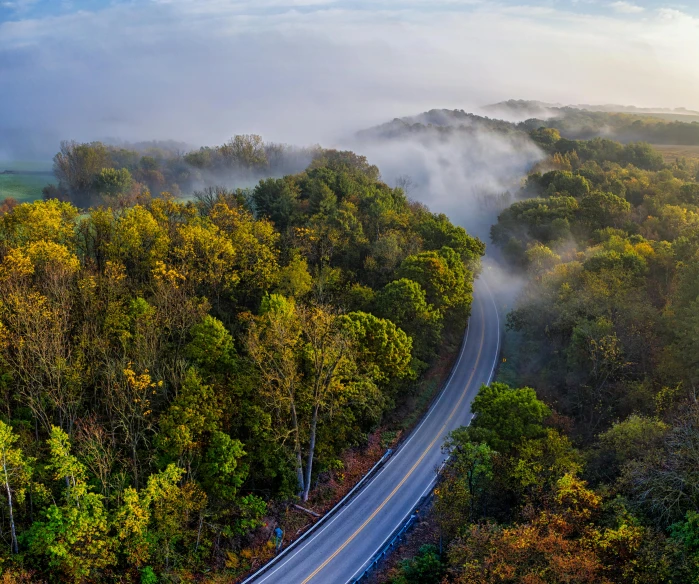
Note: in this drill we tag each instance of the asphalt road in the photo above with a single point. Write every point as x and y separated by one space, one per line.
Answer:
339 549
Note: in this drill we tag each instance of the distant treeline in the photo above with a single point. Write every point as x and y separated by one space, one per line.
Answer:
579 124
92 173
572 123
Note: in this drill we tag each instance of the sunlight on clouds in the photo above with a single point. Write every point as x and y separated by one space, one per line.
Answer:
626 7
314 70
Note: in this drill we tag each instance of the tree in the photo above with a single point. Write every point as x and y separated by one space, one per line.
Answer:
244 152
439 232
211 346
138 242
382 350
504 416
74 535
461 493
113 183
327 350
565 182
192 416
305 357
39 221
133 518
445 280
295 280
425 568
601 209
222 471
554 547
16 472
76 167
275 199
405 302
273 342
129 397
539 463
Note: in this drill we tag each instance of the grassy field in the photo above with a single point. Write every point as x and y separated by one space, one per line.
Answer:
23 187
671 153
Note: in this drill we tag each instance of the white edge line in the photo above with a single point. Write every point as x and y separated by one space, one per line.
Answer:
434 480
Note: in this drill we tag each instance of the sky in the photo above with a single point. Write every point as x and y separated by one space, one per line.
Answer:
314 71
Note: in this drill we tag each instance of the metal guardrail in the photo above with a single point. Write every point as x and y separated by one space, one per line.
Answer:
402 530
339 505
394 539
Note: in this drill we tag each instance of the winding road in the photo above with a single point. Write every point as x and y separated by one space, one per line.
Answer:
339 548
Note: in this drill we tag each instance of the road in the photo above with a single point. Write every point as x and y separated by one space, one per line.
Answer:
340 548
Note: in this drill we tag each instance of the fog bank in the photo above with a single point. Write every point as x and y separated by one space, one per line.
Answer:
308 71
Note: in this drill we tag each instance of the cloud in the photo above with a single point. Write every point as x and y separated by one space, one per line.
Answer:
627 7
309 71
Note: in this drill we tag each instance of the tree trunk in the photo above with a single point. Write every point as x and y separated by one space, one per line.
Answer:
134 458
311 451
297 449
15 547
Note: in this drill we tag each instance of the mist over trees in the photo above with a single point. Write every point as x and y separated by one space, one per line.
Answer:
93 173
572 123
172 370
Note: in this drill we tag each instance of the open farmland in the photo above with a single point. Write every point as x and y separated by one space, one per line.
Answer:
671 152
24 180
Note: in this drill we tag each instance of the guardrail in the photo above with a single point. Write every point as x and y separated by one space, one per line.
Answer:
340 504
394 539
402 530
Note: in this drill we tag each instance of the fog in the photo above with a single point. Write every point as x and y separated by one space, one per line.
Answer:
314 71
467 175
310 72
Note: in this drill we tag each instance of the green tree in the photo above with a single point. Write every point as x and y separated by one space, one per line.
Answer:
275 199
504 416
425 568
111 182
405 303
211 346
445 280
467 478
16 473
223 472
191 418
73 536
382 350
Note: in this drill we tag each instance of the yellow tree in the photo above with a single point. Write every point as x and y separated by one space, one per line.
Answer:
129 398
273 342
328 352
37 288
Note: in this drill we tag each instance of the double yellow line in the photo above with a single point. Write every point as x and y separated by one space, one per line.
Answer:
417 463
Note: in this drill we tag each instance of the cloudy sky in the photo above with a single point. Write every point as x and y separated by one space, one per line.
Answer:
309 71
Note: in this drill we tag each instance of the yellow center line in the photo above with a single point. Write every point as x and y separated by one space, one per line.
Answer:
410 472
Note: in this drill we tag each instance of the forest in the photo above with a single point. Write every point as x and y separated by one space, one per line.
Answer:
580 464
176 371
169 370
572 123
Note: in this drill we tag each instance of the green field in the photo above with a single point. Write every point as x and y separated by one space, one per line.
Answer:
23 187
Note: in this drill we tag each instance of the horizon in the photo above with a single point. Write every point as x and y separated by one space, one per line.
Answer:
313 71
